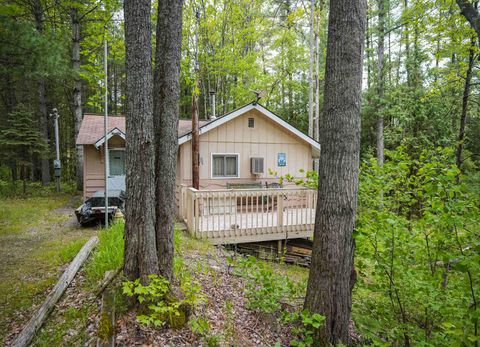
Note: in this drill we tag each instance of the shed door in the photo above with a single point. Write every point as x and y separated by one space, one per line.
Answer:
117 163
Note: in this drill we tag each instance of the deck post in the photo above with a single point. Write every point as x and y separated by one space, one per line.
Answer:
196 215
280 211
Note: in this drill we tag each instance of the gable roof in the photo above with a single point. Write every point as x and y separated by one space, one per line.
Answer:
92 131
113 132
238 112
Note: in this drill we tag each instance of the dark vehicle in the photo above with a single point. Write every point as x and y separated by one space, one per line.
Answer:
93 210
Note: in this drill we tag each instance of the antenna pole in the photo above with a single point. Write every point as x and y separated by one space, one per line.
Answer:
195 133
106 128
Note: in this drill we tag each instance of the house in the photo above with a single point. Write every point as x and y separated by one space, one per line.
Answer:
249 147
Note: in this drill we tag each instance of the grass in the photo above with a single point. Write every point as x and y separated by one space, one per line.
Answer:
37 236
108 254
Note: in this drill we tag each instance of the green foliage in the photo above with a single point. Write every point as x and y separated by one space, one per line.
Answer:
306 324
20 140
273 293
309 181
9 189
109 253
266 290
160 305
201 327
417 251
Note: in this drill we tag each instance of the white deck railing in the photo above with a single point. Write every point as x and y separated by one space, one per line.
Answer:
245 215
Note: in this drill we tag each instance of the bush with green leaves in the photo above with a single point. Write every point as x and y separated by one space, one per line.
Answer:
201 327
305 324
160 303
266 290
417 252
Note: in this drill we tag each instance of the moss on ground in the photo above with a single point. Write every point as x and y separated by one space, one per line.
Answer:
37 236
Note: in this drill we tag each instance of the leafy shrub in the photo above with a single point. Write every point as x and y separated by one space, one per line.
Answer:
266 290
160 305
304 330
201 327
417 251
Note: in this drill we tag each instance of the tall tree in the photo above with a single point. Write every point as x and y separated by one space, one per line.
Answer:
39 15
140 246
465 99
310 70
332 274
77 92
166 110
380 80
470 12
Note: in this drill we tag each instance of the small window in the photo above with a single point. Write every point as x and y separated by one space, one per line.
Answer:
251 122
225 165
116 162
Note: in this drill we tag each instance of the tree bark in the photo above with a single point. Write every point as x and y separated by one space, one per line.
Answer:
38 13
140 240
310 71
332 274
166 110
77 93
463 116
470 12
380 80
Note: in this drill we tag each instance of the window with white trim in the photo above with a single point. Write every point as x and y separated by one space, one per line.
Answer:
225 165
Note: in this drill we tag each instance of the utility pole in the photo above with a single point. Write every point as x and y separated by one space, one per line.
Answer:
57 165
106 129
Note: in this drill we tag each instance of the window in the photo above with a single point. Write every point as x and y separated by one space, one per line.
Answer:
225 165
116 162
251 122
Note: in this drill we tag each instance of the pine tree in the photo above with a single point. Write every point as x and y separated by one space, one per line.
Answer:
21 141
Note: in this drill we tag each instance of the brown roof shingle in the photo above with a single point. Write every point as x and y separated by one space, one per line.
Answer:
92 130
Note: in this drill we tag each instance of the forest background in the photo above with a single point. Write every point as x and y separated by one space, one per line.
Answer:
418 255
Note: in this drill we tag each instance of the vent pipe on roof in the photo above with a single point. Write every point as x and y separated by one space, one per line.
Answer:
213 116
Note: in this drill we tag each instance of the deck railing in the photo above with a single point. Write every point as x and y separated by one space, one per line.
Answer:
244 215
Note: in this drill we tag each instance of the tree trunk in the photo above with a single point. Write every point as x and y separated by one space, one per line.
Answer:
463 117
332 274
380 80
310 71
140 241
44 130
38 13
317 74
166 109
470 12
77 93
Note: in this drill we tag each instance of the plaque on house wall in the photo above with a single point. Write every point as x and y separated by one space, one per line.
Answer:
282 159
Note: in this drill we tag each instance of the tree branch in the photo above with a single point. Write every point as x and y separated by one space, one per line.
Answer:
471 14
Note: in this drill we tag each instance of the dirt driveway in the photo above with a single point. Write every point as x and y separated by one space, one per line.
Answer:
38 236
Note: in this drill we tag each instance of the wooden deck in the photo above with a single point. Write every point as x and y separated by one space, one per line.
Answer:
248 215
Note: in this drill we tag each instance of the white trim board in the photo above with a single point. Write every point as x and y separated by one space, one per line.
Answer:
110 134
228 117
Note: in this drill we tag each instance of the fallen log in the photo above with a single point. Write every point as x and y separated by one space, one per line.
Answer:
36 322
109 277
